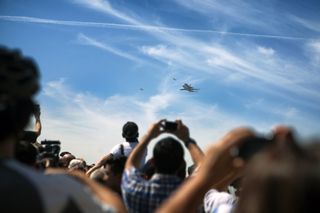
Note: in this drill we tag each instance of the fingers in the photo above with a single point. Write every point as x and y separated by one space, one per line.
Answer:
282 133
155 129
236 137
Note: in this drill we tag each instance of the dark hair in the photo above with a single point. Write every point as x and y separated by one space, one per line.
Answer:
116 164
15 117
19 81
148 169
168 156
64 153
182 170
130 131
284 178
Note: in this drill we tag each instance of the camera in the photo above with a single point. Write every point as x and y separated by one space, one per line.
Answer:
50 150
251 146
170 125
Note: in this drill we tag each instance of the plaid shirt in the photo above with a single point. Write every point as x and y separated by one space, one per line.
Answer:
146 195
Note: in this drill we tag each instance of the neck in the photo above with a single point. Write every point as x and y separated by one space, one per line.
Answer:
134 140
7 148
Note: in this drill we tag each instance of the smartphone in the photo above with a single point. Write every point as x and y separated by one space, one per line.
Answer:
251 146
170 125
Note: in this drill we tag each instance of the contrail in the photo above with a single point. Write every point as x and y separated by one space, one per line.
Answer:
137 27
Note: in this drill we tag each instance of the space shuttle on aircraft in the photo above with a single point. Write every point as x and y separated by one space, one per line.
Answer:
188 88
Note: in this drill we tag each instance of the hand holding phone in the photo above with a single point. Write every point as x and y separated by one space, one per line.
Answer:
250 147
170 125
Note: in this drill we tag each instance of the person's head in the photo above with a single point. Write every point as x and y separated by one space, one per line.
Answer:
168 156
113 169
77 164
182 170
65 159
283 178
64 153
19 82
130 131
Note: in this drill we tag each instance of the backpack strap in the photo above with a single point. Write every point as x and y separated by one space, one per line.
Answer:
122 149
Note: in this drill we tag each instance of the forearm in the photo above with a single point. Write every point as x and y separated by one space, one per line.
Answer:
99 164
38 126
92 169
188 197
196 153
135 158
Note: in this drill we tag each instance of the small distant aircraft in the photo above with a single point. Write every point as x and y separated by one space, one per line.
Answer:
141 89
189 88
174 79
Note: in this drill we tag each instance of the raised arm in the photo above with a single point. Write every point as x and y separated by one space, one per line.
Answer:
183 134
217 164
99 164
134 159
37 126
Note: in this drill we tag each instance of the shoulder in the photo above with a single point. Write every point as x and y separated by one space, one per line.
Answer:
115 149
132 178
132 174
130 145
213 199
224 208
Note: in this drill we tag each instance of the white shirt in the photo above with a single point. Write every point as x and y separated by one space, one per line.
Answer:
215 201
127 149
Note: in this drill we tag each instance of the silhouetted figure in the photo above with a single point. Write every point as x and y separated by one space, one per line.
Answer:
23 189
282 177
141 195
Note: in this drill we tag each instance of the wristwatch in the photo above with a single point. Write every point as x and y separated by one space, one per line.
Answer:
190 140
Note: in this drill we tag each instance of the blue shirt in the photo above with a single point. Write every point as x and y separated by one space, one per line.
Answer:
142 195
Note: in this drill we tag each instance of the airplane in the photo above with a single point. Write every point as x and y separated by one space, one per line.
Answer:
174 79
188 88
141 89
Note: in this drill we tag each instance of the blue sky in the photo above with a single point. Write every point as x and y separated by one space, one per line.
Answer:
256 63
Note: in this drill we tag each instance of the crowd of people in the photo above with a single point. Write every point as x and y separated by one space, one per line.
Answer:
240 172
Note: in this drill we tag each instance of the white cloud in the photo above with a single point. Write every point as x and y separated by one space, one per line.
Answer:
105 6
311 25
195 54
266 51
162 53
90 126
86 40
136 25
313 50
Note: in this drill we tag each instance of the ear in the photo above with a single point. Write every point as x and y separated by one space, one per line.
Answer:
123 135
